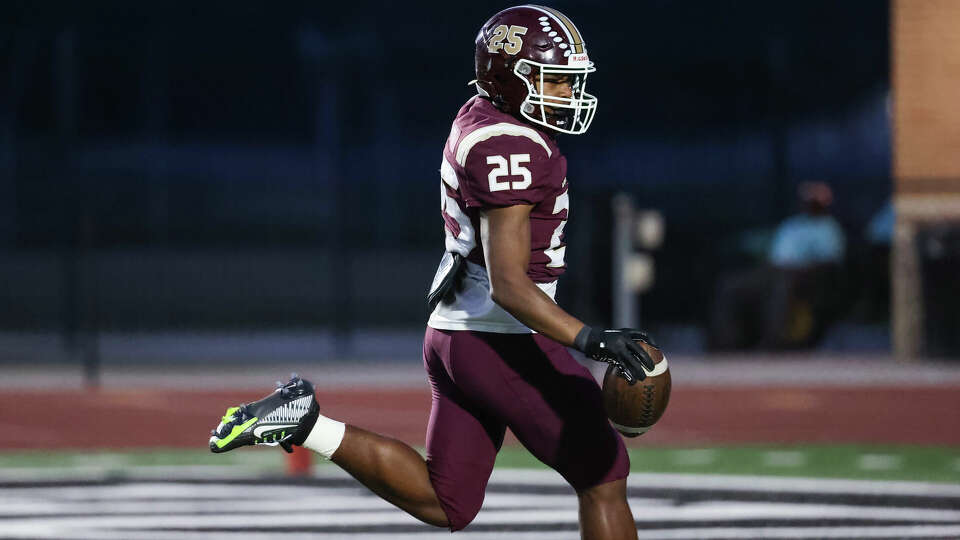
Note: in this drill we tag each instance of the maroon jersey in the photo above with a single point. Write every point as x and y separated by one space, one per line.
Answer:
492 160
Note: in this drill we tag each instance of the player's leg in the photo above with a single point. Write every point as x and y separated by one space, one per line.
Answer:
447 489
463 437
601 488
554 407
605 513
388 467
393 470
574 437
291 415
461 448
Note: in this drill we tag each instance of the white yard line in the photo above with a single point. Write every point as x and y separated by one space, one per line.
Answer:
696 457
784 459
879 462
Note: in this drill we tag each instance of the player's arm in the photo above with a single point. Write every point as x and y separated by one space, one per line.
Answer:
505 235
506 176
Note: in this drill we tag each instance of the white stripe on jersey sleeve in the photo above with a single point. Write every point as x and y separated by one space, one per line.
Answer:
487 132
448 175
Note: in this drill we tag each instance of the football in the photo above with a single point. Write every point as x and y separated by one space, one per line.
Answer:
633 410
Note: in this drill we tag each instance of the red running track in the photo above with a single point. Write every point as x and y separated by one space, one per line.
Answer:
698 415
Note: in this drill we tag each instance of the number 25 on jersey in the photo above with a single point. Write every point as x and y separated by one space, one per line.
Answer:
515 168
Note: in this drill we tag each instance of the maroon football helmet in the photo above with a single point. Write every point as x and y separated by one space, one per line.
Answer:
520 46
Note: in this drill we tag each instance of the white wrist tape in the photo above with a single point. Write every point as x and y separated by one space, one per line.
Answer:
325 437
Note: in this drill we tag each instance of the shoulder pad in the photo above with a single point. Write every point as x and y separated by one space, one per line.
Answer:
487 132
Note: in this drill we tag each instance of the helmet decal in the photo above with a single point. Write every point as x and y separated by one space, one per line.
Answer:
564 23
512 34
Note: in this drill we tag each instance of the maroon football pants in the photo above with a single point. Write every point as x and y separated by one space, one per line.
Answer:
483 383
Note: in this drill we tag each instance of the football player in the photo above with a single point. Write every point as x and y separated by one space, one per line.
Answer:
495 348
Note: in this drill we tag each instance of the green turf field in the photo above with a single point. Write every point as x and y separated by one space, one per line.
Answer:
918 463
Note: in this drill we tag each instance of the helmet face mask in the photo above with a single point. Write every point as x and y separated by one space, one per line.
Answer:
572 115
531 62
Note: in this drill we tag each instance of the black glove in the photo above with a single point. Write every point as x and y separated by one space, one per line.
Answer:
617 347
638 335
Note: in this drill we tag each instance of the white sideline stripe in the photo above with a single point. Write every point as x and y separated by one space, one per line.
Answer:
511 476
498 509
487 132
917 531
732 510
707 510
11 506
746 483
172 491
146 472
693 533
118 508
192 535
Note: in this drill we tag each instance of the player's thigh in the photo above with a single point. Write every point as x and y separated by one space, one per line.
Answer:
550 402
462 437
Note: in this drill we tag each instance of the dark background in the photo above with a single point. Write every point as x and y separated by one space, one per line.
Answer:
225 165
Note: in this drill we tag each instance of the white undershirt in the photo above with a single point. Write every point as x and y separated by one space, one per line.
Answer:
474 309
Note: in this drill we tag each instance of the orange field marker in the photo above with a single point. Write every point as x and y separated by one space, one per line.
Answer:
300 462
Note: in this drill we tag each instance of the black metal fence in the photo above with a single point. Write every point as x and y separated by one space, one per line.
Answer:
235 165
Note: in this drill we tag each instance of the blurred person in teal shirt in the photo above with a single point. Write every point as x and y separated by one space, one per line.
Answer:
789 301
810 238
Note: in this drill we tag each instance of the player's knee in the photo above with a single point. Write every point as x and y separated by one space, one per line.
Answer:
460 506
462 512
460 489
